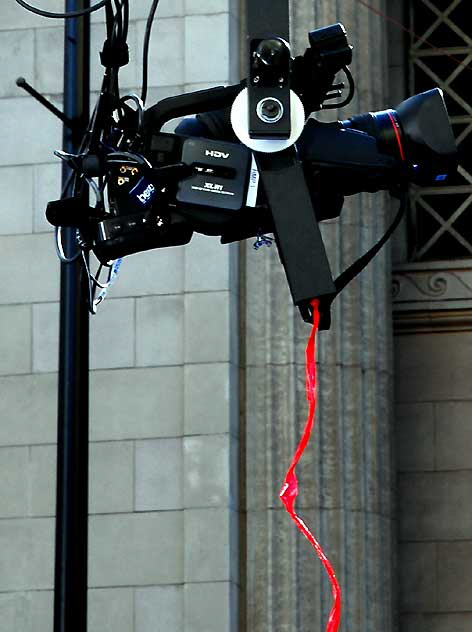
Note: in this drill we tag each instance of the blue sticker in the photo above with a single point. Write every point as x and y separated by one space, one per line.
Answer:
143 191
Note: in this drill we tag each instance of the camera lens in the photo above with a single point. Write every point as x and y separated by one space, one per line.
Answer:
270 110
418 133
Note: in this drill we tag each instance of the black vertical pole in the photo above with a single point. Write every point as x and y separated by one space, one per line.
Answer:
70 591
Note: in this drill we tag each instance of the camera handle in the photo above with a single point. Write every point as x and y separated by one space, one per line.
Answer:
191 103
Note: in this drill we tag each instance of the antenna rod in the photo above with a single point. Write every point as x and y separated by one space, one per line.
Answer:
22 83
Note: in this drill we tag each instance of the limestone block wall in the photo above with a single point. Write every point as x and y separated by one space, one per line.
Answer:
433 406
434 434
164 375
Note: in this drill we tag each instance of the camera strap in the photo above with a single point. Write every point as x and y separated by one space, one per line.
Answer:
297 232
355 268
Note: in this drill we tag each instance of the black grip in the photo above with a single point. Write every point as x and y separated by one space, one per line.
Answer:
190 103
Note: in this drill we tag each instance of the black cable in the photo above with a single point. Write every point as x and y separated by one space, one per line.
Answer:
117 30
125 19
352 85
109 19
70 180
355 268
118 157
95 284
147 37
71 14
139 107
350 96
118 26
72 183
115 47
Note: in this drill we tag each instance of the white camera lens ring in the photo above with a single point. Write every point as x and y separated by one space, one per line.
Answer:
240 124
267 119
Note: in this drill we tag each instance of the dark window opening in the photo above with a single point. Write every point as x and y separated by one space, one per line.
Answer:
442 56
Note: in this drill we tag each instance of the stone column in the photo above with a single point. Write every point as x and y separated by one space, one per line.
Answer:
345 475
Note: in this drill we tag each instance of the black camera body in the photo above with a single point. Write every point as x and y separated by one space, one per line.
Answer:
211 197
159 188
145 212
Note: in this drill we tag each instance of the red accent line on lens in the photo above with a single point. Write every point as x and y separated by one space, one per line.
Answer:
397 135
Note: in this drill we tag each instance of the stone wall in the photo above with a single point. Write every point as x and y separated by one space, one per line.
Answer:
164 380
433 406
166 386
434 434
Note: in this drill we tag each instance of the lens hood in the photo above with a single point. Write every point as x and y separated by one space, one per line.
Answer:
426 125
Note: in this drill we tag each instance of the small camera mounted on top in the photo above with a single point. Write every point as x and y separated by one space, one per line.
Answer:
269 93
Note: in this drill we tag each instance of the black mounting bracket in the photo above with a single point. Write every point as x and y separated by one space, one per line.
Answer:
298 236
269 60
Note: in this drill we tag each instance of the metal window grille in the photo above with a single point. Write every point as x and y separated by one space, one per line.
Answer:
442 56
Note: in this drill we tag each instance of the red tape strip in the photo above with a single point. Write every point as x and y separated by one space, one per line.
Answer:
289 491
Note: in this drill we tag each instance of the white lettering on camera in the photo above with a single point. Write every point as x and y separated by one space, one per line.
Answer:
146 194
215 154
214 187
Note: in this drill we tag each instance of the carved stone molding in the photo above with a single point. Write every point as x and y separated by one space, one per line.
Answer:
432 321
432 296
432 285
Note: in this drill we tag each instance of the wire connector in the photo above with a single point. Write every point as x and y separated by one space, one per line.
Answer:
114 55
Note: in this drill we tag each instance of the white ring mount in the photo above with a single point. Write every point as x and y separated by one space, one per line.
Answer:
240 123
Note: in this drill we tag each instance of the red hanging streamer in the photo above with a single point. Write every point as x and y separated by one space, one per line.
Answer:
289 490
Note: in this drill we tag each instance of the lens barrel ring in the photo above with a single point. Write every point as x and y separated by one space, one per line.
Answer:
270 110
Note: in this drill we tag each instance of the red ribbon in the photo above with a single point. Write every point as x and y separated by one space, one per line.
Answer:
289 490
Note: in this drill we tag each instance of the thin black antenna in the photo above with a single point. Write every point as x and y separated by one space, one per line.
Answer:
22 83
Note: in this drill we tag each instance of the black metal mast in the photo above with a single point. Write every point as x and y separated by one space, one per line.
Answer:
70 591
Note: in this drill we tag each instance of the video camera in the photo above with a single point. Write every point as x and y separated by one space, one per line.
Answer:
251 162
